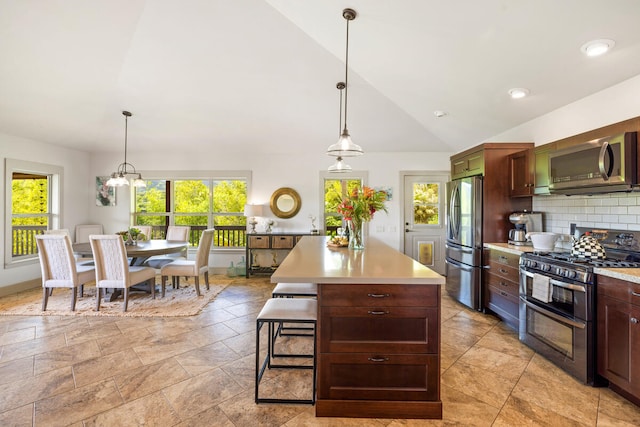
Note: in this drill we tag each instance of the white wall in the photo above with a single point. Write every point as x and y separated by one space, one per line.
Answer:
77 192
618 211
270 172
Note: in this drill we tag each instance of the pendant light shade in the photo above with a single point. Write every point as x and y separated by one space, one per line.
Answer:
345 147
119 177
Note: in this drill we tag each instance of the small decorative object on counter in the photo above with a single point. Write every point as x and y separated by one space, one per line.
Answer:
314 229
269 224
358 207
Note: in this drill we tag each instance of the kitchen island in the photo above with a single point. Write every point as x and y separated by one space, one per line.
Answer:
378 329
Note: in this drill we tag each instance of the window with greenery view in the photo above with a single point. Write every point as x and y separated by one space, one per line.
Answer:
334 190
426 204
32 206
198 203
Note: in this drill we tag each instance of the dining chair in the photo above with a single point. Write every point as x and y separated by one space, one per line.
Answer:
85 230
113 270
63 231
144 229
176 233
59 268
191 268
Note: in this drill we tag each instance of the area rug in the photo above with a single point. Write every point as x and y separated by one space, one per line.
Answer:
177 302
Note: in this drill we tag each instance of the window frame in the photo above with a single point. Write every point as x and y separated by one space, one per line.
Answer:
210 176
55 179
326 175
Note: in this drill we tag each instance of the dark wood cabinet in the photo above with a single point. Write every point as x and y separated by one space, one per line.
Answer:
467 164
500 285
521 173
618 338
379 344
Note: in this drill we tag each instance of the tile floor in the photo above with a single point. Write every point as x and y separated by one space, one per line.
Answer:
198 371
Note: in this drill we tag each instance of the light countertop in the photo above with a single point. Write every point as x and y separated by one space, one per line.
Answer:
311 260
514 249
628 274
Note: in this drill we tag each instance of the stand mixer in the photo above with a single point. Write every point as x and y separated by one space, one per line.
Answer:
524 222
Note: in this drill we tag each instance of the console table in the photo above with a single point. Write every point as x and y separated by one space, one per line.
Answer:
265 251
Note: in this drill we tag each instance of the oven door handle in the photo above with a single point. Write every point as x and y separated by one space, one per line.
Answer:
559 283
553 315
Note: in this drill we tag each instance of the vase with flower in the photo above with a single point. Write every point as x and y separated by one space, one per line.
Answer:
357 208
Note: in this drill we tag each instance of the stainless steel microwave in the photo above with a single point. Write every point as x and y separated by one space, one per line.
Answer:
600 166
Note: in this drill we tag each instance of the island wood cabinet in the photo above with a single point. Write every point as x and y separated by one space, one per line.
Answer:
501 278
266 250
379 351
618 338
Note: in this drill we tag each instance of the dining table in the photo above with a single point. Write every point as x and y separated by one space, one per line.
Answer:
138 254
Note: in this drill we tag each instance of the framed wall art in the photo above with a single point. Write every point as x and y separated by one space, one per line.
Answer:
105 195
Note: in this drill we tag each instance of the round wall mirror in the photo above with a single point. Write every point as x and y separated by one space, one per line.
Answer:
285 202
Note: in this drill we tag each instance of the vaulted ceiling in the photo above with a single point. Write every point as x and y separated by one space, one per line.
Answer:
260 75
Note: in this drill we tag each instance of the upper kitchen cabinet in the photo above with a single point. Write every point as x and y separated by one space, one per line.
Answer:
467 164
521 173
529 171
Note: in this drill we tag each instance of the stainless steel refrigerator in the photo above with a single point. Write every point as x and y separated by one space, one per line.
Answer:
464 241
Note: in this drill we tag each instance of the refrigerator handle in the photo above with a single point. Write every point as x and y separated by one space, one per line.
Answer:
453 213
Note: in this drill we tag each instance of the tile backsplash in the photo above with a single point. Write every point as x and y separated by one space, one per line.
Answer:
616 210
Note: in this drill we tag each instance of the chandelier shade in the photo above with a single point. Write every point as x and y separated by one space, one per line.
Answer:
345 147
339 166
119 177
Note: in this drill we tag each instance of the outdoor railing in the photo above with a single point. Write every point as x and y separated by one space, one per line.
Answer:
24 237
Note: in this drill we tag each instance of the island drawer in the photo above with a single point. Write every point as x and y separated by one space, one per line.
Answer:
618 289
384 329
282 242
379 376
367 295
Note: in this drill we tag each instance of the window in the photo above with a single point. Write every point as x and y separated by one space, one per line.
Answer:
32 192
426 203
334 187
199 203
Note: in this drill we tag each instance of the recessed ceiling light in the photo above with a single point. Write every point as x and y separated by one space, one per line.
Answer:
440 113
518 92
597 47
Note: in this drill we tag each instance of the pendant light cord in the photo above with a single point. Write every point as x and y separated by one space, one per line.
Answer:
126 121
346 75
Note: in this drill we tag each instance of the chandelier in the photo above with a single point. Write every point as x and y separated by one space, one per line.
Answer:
340 166
119 177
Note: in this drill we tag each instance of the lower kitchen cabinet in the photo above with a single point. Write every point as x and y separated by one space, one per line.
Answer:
618 338
500 285
378 351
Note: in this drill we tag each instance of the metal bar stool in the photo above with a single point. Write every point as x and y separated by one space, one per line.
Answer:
291 290
275 311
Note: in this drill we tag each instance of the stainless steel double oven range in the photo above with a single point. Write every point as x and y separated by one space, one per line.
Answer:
560 325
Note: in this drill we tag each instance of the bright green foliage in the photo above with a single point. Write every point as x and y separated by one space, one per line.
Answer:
425 203
334 189
29 196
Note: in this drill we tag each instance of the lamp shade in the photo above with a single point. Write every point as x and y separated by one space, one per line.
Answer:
252 210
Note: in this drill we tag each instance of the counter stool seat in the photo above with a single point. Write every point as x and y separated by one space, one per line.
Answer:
295 290
274 312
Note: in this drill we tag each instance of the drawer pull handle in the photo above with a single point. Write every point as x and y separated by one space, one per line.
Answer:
504 284
634 320
504 294
378 359
378 313
503 271
635 294
502 259
378 295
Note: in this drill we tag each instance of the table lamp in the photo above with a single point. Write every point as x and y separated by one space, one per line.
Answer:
251 212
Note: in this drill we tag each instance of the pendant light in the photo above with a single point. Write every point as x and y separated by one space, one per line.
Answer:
119 178
340 166
345 147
